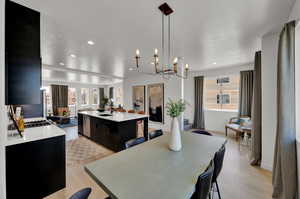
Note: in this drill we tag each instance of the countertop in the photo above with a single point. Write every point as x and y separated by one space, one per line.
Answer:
35 134
116 116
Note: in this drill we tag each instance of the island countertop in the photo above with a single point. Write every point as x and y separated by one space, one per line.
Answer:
116 116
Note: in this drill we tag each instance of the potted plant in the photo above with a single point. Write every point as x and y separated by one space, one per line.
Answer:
174 110
103 102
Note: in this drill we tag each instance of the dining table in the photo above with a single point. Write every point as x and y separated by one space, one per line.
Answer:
151 170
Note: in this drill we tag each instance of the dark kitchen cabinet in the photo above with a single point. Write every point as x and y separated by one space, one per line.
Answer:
108 133
36 169
22 55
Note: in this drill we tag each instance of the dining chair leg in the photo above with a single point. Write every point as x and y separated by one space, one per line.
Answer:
218 190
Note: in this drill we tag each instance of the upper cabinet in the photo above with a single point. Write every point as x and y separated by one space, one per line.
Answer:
22 55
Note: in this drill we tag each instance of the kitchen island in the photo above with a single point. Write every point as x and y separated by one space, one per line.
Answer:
111 130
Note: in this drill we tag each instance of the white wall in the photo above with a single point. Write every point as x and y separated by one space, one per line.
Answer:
269 97
214 120
3 132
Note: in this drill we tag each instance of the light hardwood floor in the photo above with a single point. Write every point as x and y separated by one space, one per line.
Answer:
238 180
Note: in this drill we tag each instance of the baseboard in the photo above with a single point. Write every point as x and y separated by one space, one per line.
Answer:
266 166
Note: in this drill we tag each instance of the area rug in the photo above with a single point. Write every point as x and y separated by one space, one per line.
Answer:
82 151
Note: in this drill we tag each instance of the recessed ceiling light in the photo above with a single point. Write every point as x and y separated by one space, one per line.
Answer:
61 63
72 55
215 63
91 42
130 69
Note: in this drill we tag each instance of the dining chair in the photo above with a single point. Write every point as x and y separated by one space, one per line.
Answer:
218 162
82 194
155 134
203 185
141 112
134 142
202 132
131 111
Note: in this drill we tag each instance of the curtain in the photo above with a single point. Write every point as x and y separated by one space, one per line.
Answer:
256 114
101 97
285 156
199 122
59 97
246 92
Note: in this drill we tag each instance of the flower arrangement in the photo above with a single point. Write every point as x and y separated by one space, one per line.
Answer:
175 108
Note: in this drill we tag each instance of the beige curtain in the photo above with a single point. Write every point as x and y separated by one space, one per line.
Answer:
199 122
59 97
255 157
246 92
285 156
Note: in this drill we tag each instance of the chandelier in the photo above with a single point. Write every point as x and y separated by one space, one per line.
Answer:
167 67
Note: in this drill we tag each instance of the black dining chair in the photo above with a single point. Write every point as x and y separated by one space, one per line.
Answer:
202 132
218 162
203 185
82 194
155 134
134 142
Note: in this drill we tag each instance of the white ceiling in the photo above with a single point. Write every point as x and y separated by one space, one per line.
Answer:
227 32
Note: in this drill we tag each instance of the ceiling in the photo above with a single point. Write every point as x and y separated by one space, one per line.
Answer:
207 33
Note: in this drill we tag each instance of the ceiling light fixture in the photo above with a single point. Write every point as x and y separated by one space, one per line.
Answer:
168 69
72 55
91 42
215 63
61 63
130 69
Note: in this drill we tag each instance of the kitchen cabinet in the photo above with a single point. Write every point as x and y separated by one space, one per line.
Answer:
22 55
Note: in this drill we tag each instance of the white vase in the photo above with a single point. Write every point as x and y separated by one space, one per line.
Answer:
175 139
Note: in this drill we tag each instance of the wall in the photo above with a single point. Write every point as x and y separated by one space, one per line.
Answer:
3 132
214 120
269 97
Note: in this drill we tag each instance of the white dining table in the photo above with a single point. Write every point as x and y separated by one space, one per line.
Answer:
150 170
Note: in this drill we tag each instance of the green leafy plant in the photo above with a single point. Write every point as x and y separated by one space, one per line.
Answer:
175 108
104 102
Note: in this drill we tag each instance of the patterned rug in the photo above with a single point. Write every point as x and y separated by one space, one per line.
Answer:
82 151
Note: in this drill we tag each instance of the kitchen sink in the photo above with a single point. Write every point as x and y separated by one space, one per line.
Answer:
105 115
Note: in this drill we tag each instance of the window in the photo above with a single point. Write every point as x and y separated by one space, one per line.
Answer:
223 99
84 96
95 96
222 93
48 100
72 96
223 80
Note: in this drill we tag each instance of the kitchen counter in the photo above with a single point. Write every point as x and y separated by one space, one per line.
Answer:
35 134
112 131
116 116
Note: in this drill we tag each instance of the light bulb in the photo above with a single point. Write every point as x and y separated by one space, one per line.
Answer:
186 66
175 60
137 52
155 51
